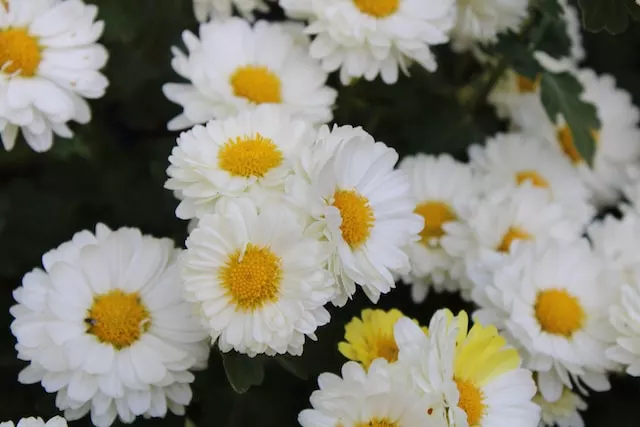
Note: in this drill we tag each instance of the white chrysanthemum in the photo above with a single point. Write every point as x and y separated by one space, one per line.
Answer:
259 283
373 397
233 67
507 215
49 62
252 153
480 21
547 297
616 146
571 18
32 421
514 158
565 412
214 9
364 208
624 315
485 389
443 190
105 327
365 38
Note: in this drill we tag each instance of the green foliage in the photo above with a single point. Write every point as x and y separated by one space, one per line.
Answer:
242 371
612 16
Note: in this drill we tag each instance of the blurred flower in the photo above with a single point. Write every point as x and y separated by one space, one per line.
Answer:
36 422
625 317
564 412
215 9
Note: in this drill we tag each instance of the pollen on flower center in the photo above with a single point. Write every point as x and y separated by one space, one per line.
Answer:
435 215
559 312
565 139
252 277
378 422
357 216
249 156
118 318
377 8
532 176
256 83
526 85
512 234
471 401
19 52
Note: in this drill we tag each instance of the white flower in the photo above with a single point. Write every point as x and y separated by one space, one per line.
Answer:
367 38
571 18
49 62
373 397
214 9
477 389
505 216
564 412
251 154
514 158
547 298
32 421
480 21
233 67
104 327
443 191
364 208
624 315
259 282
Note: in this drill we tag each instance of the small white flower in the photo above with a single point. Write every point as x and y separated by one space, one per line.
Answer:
624 316
214 9
259 283
49 64
443 190
233 67
365 38
32 421
564 412
105 328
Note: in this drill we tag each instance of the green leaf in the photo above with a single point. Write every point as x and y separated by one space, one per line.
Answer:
561 95
292 365
550 8
242 371
517 55
609 15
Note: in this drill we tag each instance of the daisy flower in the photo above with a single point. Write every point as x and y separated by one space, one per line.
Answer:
364 208
32 421
245 155
481 388
624 315
509 214
365 38
206 9
547 298
514 158
564 412
104 327
444 191
234 66
374 397
49 64
259 283
371 337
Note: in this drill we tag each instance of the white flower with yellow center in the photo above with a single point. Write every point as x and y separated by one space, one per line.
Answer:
49 64
210 9
480 21
32 421
250 154
364 208
547 298
105 327
444 190
515 158
564 412
507 215
377 397
367 38
234 67
476 373
260 284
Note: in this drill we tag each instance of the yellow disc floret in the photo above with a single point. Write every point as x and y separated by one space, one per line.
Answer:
19 52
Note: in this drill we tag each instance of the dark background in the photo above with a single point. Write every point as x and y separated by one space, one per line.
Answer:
114 169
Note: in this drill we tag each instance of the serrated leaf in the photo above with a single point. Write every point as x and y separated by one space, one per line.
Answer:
561 95
609 15
243 372
517 55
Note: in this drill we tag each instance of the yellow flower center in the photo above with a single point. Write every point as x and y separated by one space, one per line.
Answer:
256 83
512 234
471 401
559 312
252 278
378 422
357 216
19 52
435 214
532 176
565 139
377 8
526 85
249 156
386 347
118 318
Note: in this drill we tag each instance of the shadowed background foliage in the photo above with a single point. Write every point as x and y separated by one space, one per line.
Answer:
114 169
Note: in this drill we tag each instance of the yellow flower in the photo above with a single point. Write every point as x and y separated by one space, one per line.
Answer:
371 336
